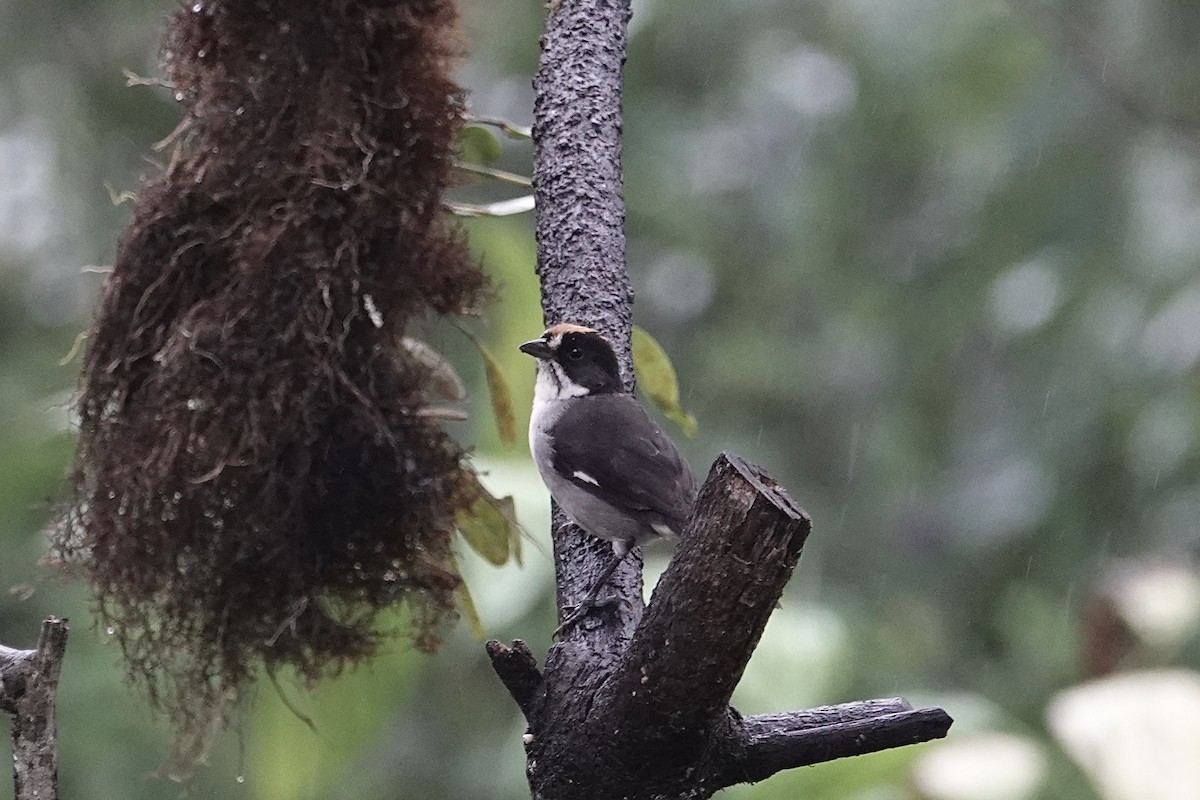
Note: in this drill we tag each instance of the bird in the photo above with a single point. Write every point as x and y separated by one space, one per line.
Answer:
607 464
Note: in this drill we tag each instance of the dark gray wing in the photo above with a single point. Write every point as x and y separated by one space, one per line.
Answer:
609 446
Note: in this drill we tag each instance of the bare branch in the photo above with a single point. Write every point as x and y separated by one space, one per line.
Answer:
509 128
30 684
711 605
784 741
824 715
518 671
491 172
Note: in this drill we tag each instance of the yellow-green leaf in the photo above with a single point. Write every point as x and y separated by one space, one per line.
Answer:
506 421
478 145
656 378
488 526
466 605
508 508
502 408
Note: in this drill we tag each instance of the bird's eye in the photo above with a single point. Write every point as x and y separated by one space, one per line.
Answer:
575 353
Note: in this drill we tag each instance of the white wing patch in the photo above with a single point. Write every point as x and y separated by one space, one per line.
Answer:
583 476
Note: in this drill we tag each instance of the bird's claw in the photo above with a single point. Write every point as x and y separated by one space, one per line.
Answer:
581 610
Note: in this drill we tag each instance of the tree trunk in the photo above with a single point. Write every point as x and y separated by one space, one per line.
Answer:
634 702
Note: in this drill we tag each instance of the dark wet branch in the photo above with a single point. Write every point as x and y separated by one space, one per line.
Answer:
580 221
823 715
711 605
777 742
653 720
632 706
518 671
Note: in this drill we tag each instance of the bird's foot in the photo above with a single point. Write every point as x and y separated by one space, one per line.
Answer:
580 611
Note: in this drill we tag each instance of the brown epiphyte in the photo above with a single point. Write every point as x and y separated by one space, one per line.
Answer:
252 483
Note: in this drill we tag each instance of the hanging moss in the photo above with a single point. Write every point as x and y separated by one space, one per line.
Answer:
253 483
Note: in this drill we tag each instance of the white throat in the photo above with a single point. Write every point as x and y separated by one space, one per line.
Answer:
550 389
553 384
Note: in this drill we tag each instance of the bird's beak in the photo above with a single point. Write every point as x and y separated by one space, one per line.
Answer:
538 348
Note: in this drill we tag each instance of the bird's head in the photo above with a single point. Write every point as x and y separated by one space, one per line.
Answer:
574 361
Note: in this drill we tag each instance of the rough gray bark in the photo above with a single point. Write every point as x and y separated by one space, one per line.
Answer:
580 218
631 704
28 685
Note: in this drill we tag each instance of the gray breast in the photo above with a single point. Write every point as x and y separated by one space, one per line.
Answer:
589 512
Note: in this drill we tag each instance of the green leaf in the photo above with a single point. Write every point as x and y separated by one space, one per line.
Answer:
466 605
501 396
508 507
478 145
488 526
506 421
656 378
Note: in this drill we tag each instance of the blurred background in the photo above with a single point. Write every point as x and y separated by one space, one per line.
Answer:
934 264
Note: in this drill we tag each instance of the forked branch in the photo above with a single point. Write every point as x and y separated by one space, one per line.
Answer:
654 720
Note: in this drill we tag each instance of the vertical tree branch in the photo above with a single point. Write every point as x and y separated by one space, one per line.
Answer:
635 707
580 218
30 685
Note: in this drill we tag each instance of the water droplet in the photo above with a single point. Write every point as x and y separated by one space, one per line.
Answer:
372 311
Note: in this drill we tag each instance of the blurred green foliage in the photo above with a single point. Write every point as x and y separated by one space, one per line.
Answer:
933 264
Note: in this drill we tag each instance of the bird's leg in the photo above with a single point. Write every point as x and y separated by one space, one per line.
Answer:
620 550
